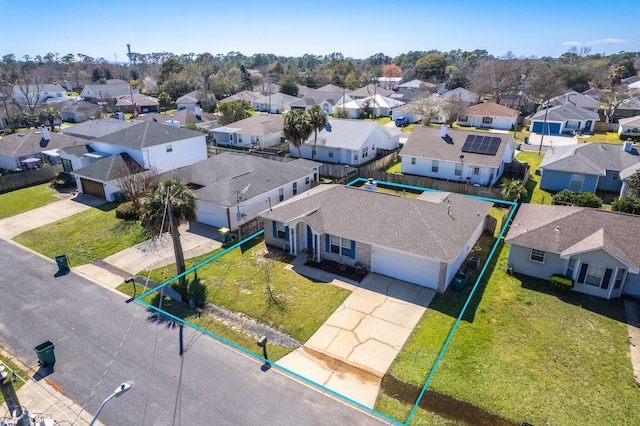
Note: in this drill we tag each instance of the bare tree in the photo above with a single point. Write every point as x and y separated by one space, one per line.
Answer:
135 185
496 77
429 107
614 98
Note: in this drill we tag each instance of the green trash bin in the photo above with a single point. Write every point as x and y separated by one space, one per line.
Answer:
225 234
459 280
63 263
526 139
117 197
45 353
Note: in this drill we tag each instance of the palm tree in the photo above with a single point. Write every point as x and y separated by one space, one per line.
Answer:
297 128
50 115
167 205
318 120
513 189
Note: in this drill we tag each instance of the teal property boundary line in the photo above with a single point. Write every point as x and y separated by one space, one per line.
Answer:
307 380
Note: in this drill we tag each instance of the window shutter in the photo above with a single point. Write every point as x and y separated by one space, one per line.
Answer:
583 272
275 229
286 233
353 249
327 243
607 278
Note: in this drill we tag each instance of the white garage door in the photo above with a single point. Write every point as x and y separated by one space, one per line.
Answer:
406 267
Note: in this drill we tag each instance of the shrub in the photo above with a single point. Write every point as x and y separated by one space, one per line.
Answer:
561 282
63 180
634 136
587 199
626 204
127 211
564 197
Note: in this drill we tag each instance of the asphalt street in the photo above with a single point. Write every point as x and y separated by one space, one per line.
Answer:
95 331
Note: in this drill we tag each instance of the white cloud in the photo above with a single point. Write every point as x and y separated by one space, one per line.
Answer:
571 43
609 41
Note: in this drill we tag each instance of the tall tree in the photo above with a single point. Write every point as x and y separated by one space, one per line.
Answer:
391 70
297 128
318 120
164 99
233 111
429 107
288 85
167 205
431 67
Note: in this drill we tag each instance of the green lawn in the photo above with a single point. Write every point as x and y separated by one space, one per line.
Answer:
610 137
395 167
237 281
22 200
86 236
526 353
536 195
10 366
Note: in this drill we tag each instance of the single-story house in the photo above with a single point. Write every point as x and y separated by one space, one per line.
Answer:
518 100
181 118
107 93
138 103
414 88
630 80
593 93
576 99
363 227
78 111
188 101
390 83
462 95
563 119
467 156
37 93
596 248
380 105
628 108
631 124
488 114
32 148
587 167
349 142
307 102
94 129
245 95
407 111
263 130
276 103
151 145
370 90
330 88
232 188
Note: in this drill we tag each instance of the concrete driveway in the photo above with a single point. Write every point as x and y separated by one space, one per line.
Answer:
353 349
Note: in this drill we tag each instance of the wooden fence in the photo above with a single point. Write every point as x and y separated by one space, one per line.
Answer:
28 178
249 228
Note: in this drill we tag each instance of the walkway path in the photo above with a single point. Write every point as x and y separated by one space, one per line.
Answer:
353 349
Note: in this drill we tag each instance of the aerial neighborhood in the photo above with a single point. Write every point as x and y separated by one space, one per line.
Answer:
456 221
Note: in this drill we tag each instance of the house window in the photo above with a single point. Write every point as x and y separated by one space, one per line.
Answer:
615 176
373 147
594 276
365 152
463 118
282 232
66 165
537 255
330 153
487 120
281 194
491 176
341 246
576 181
230 137
458 171
169 148
571 267
619 279
307 180
476 171
413 160
571 125
434 166
295 188
355 157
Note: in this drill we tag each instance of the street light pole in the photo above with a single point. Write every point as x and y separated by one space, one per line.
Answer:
116 393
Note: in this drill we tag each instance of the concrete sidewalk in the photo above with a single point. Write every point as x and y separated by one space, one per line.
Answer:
353 349
632 311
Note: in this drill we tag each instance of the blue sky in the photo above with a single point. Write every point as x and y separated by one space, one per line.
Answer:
354 28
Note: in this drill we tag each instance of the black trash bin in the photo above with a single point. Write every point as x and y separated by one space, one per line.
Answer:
45 353
474 262
63 263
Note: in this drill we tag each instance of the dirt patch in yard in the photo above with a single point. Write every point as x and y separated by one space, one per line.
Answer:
339 269
443 405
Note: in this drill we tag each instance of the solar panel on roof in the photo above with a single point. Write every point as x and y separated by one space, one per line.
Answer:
477 144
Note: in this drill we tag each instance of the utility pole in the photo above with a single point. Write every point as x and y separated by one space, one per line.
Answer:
10 397
544 125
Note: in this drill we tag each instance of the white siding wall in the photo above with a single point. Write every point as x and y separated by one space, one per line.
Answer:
453 268
405 266
503 123
213 215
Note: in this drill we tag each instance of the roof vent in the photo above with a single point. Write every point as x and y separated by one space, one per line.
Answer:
443 131
557 229
628 145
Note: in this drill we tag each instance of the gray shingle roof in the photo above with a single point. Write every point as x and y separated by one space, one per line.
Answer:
575 98
565 112
184 116
221 176
426 142
147 134
630 122
110 90
568 230
590 158
370 90
411 225
30 141
350 134
94 129
110 168
259 125
245 95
